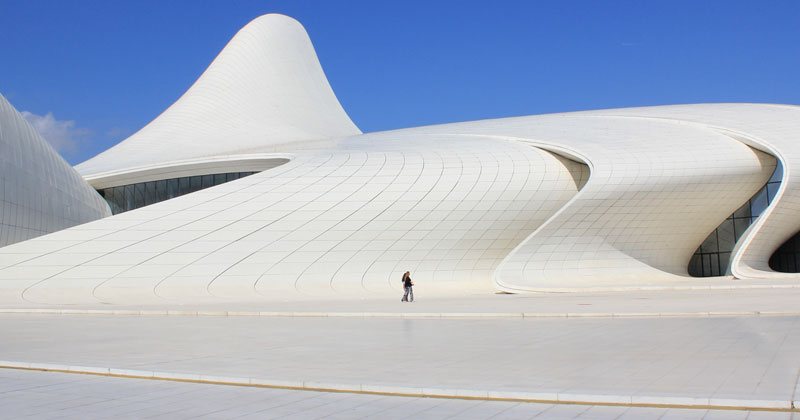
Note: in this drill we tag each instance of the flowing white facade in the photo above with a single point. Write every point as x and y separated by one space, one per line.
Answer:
39 192
597 200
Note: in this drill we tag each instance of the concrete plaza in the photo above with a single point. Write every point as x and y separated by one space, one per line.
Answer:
644 354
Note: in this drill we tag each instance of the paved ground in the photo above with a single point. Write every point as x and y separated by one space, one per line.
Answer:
701 347
48 395
742 360
651 302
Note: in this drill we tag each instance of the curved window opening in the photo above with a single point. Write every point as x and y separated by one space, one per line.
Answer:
714 255
786 258
124 198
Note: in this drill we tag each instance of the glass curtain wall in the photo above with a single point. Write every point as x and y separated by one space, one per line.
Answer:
713 256
132 196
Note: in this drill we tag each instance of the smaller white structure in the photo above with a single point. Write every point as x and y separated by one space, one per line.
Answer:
39 192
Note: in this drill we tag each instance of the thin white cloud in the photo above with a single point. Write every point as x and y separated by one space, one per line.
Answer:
64 136
116 132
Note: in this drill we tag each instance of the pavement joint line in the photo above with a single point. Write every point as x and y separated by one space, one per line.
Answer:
409 391
421 315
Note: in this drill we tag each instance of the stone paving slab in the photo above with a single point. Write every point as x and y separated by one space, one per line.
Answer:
48 395
703 303
718 361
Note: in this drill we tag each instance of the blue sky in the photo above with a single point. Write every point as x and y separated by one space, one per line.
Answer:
93 72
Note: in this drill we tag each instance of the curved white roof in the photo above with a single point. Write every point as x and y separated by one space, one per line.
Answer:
265 88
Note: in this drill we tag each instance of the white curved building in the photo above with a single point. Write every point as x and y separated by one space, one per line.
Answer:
256 185
39 192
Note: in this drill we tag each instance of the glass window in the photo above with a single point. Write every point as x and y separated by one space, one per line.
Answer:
707 265
129 197
714 258
772 189
778 174
119 199
149 193
759 202
724 260
785 258
740 226
743 211
197 183
161 190
725 236
172 188
696 266
184 185
138 195
710 244
132 196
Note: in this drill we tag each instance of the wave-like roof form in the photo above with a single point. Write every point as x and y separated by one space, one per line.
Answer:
264 89
774 129
39 192
602 200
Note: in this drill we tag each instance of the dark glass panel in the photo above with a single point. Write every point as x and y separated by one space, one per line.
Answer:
184 185
772 189
710 244
197 183
138 195
132 196
743 211
129 197
759 202
740 225
707 265
714 258
696 266
172 188
119 199
778 174
724 260
725 237
785 258
161 190
149 193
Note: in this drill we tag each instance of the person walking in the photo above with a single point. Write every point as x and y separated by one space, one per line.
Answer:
407 288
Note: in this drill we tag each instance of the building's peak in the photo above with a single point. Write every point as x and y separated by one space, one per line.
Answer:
265 88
